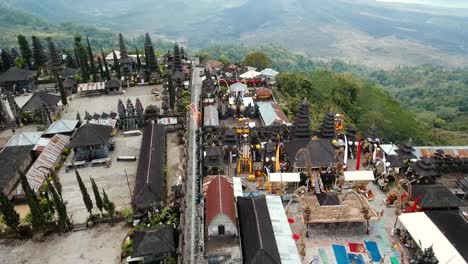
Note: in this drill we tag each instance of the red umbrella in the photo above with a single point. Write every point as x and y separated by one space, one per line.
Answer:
296 236
291 220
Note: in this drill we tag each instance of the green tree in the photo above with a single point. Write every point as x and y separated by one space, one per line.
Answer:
116 65
101 71
63 94
60 207
10 216
91 61
97 195
84 192
7 60
82 59
55 59
224 60
26 52
38 54
108 205
19 63
151 59
106 66
258 60
138 60
38 216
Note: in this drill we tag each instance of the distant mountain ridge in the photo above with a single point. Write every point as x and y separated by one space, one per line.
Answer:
364 32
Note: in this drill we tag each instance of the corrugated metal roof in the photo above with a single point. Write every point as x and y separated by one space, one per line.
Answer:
24 139
271 113
454 151
46 161
61 126
220 199
210 116
281 228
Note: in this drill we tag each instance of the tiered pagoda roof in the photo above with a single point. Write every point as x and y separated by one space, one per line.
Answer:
405 150
426 167
327 129
372 135
302 122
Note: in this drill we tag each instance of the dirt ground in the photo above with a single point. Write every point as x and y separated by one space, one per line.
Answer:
100 244
174 163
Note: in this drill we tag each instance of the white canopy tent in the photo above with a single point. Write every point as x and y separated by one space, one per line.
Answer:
359 175
268 72
285 177
425 232
249 75
238 87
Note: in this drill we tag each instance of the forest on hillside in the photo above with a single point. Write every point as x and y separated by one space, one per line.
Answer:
433 96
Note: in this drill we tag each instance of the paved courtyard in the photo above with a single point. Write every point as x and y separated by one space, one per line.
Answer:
99 245
323 236
108 102
112 179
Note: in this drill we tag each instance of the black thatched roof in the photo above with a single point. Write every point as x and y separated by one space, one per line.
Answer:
149 185
436 196
113 83
104 115
69 83
230 137
214 157
38 99
90 135
157 242
320 152
395 161
405 155
113 115
325 199
12 159
454 228
423 170
15 74
258 240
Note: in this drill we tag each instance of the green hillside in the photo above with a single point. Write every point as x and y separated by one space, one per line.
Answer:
433 99
14 22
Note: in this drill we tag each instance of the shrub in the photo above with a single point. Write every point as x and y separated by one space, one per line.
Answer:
127 247
127 213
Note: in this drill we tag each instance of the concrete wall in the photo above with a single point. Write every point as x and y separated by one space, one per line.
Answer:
222 219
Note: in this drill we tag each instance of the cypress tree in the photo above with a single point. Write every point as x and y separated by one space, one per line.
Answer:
25 50
101 71
54 57
63 94
151 60
57 183
107 204
138 60
7 60
38 54
60 207
97 195
171 89
84 192
106 66
69 60
11 217
116 66
83 60
38 217
91 61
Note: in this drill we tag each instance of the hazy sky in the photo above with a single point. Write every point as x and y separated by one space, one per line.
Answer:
441 3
